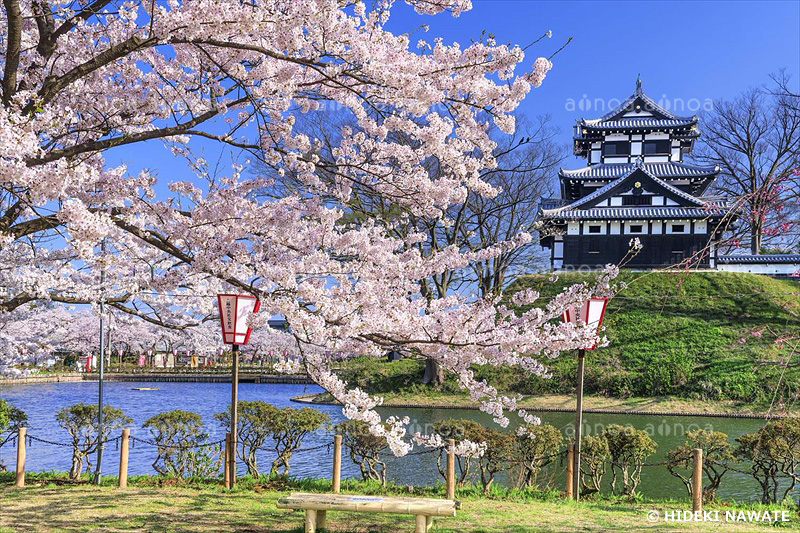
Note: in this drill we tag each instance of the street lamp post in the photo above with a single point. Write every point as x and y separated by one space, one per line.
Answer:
234 310
100 371
590 313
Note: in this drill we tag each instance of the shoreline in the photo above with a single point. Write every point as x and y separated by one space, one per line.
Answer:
160 377
308 399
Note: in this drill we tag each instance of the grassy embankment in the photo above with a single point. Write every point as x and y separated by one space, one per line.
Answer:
675 346
49 503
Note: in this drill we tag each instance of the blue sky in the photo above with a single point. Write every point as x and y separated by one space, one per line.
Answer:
688 53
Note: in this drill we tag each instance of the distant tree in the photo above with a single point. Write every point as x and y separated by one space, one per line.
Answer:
717 453
755 140
364 449
256 423
175 434
80 421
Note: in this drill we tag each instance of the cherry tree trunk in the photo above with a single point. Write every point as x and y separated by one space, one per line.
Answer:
434 375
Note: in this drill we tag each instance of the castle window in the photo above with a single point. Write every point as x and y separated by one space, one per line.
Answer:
594 229
636 228
637 200
678 228
656 147
616 148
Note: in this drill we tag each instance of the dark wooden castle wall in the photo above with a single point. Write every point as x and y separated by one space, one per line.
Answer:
657 251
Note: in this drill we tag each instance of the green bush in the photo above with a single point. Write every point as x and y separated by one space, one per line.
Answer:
11 419
495 458
364 449
254 427
534 447
628 449
594 461
774 454
288 428
459 430
80 421
176 433
717 453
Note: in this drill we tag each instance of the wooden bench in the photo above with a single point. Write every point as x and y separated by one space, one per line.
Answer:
317 505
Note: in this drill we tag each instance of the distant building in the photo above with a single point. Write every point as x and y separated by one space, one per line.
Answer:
636 185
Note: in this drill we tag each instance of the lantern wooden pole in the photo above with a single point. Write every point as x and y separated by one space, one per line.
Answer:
123 458
21 434
227 461
697 480
234 413
570 460
576 469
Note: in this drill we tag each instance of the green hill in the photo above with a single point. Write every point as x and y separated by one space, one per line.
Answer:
671 334
681 334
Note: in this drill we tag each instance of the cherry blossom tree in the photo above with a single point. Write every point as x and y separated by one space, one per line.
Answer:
80 79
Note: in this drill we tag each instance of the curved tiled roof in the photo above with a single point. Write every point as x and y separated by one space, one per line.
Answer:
766 258
638 93
635 213
637 166
662 170
639 122
616 119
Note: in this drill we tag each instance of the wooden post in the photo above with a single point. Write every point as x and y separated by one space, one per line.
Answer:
227 460
337 463
570 462
123 458
451 469
21 457
697 481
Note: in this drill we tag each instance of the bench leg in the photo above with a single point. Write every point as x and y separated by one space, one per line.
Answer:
428 523
311 521
422 524
322 519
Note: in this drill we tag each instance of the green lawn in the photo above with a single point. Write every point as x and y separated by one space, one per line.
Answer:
47 506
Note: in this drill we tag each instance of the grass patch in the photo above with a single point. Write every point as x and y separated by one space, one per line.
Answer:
204 506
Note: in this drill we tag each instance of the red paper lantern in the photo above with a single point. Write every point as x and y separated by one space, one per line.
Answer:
234 310
590 313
